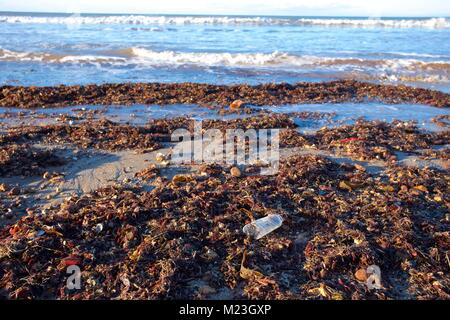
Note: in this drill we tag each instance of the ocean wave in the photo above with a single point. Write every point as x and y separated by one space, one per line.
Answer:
275 59
14 56
217 59
419 55
416 78
186 20
390 69
138 55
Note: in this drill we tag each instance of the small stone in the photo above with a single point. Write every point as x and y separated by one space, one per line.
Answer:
160 157
181 178
164 163
235 172
99 227
361 275
9 214
236 104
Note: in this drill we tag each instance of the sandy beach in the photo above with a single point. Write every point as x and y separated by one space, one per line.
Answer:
96 187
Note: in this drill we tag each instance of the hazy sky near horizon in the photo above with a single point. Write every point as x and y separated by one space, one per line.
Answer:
378 8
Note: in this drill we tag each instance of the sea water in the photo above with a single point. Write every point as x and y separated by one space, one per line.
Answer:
52 49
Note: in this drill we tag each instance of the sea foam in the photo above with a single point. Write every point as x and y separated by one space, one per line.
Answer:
387 69
216 20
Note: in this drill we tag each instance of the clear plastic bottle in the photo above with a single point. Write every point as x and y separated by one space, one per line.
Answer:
259 228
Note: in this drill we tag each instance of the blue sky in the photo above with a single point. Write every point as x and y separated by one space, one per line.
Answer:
377 8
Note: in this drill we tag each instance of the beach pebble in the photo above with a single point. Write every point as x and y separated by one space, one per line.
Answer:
361 275
99 227
9 214
235 172
3 187
160 157
236 104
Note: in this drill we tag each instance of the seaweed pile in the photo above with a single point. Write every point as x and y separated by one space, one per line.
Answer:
206 94
368 140
183 239
107 135
26 160
102 134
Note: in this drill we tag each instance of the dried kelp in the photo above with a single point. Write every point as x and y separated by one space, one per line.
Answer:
135 244
26 160
102 134
184 240
207 94
371 140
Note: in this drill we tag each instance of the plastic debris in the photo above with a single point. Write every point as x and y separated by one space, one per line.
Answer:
261 227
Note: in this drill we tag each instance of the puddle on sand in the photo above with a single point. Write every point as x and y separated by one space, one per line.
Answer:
134 115
343 113
347 113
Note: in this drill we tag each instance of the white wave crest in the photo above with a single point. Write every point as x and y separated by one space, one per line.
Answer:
275 59
168 20
217 59
390 69
8 55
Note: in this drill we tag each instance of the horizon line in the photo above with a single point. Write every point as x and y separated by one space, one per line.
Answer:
220 14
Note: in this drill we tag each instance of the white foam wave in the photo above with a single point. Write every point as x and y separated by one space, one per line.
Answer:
419 55
217 59
276 59
214 20
390 69
8 55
